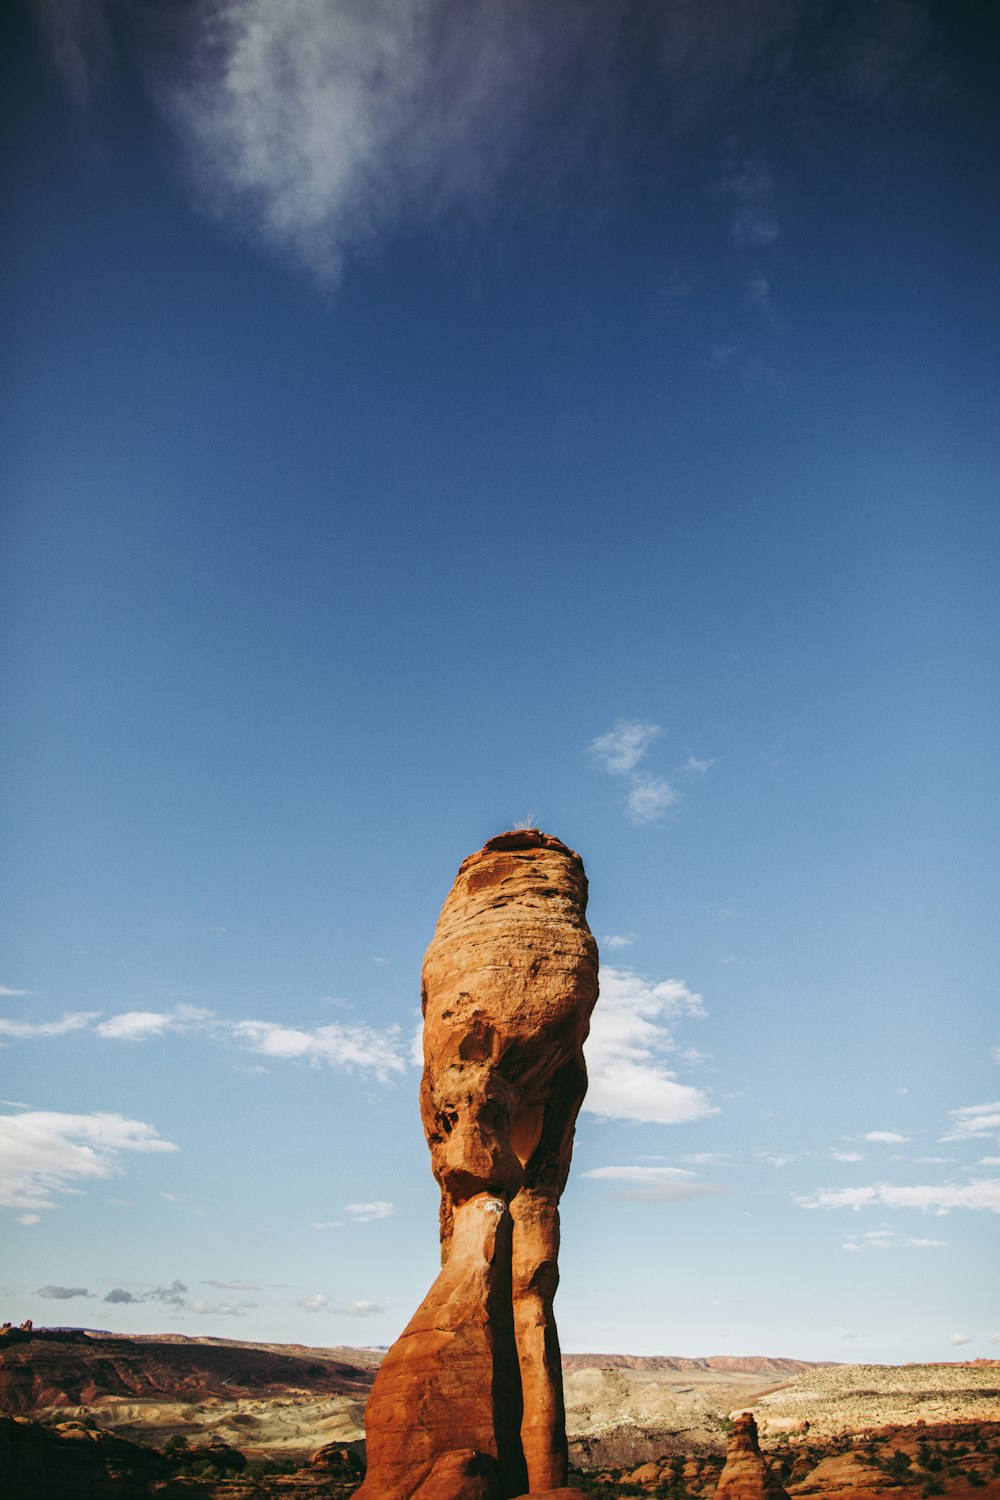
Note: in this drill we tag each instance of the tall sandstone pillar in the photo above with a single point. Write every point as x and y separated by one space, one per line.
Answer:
469 1400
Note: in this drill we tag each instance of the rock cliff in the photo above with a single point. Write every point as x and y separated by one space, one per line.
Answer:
746 1475
509 982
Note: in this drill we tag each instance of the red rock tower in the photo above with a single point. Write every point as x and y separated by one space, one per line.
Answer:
469 1399
746 1475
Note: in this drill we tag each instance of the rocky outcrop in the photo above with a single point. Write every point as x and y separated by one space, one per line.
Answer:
746 1475
509 982
72 1462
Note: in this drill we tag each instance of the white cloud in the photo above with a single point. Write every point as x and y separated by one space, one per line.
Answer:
973 1121
648 799
8 993
235 1309
43 1152
614 941
981 1194
776 1158
622 748
329 1224
988 1161
886 1239
360 1309
960 1338
698 767
347 1045
655 1184
28 1218
29 1030
629 1034
639 1176
366 1213
888 1137
139 1025
316 1303
846 1155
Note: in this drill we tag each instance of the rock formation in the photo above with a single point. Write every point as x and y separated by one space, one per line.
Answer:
746 1475
509 982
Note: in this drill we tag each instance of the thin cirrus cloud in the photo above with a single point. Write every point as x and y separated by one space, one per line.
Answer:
44 1153
981 1194
327 127
973 1122
26 1031
654 1184
630 1037
887 1239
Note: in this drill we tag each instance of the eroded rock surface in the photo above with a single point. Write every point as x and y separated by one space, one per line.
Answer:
509 982
746 1475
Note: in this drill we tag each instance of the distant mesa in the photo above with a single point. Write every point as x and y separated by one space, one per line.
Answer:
468 1404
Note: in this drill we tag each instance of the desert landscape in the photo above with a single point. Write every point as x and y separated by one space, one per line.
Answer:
90 1413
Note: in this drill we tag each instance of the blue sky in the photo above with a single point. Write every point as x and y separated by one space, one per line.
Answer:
411 428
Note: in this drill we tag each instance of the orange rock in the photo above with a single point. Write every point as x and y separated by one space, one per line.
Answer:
509 982
746 1475
462 1475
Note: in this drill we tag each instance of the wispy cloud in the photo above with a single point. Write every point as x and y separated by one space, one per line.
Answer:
614 940
232 1286
7 993
887 1239
367 1213
62 1293
351 1046
697 767
655 1184
25 1031
629 1038
980 1194
754 223
325 127
140 1025
622 748
43 1153
347 1045
648 799
846 1155
885 1137
175 1296
974 1121
619 752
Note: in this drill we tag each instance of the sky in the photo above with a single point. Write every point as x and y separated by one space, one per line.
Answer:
422 419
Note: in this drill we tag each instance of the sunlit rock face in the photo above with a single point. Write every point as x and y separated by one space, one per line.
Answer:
746 1475
509 982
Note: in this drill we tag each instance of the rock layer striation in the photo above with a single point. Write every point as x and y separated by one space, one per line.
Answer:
746 1475
509 982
